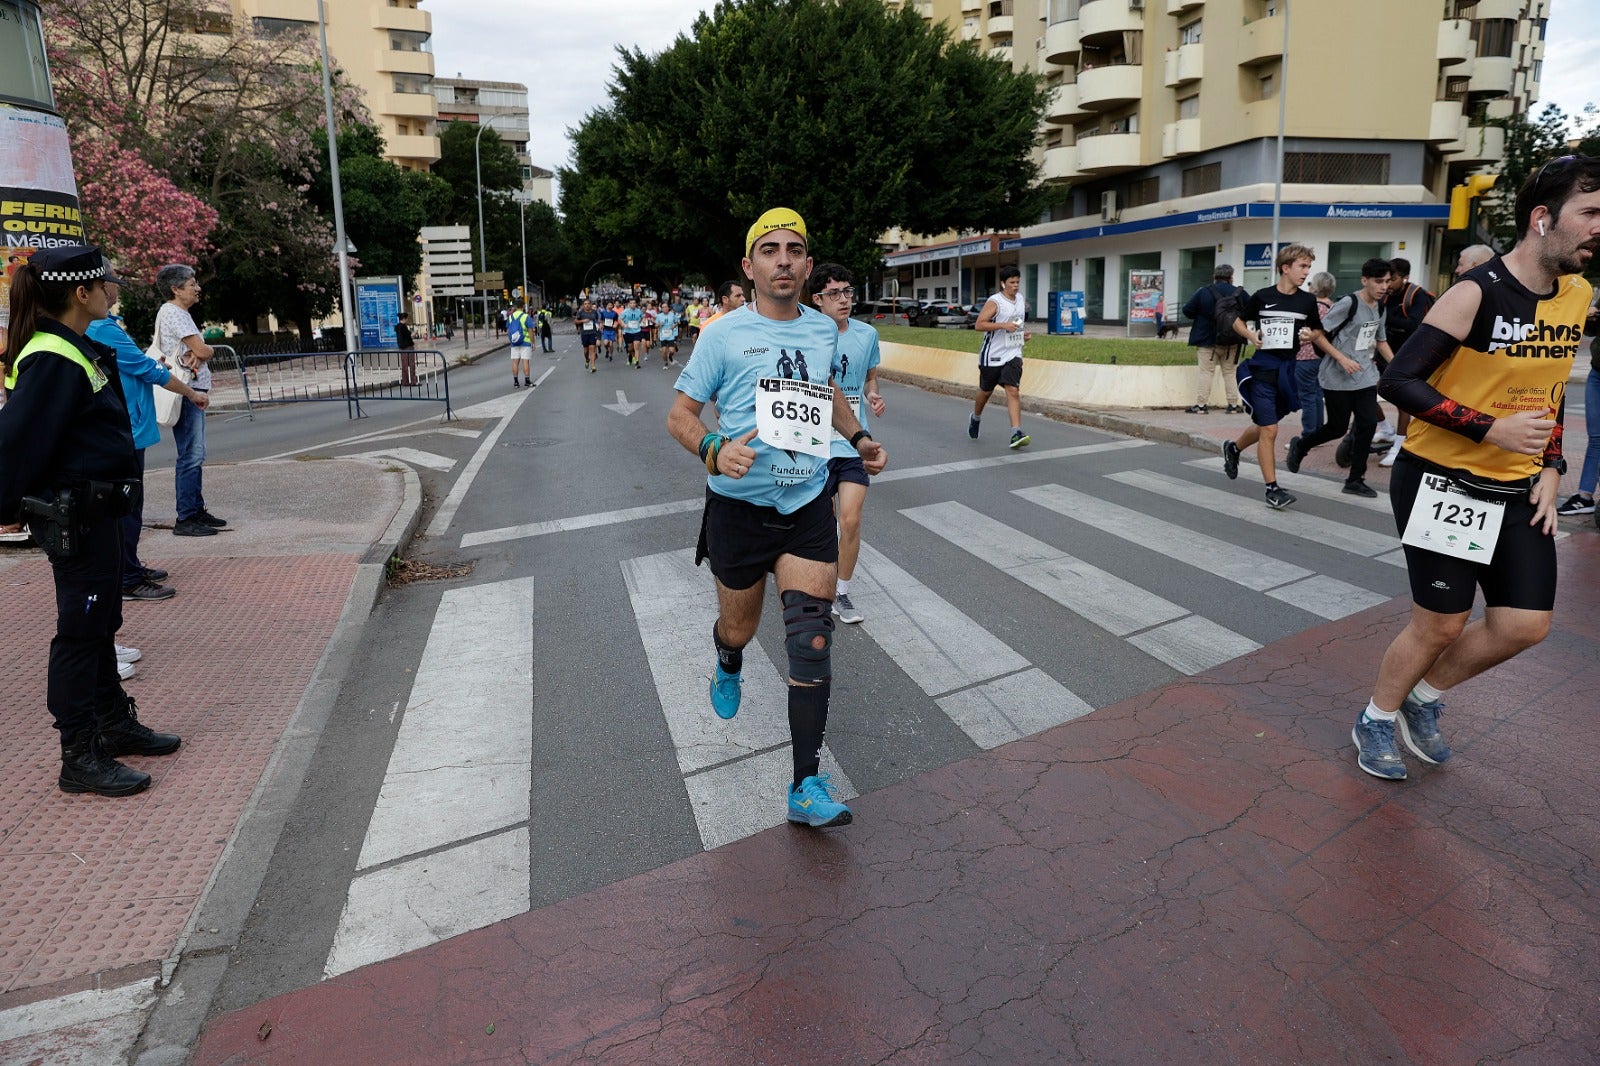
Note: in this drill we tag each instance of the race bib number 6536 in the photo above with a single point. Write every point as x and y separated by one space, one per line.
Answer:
796 416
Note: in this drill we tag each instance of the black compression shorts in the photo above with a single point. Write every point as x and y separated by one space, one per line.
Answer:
1522 573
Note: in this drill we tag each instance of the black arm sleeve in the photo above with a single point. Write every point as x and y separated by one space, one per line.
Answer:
1405 384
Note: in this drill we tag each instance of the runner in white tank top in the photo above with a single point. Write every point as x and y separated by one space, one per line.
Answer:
1000 358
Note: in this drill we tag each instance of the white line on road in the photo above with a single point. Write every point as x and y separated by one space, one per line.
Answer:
458 491
1189 644
461 761
407 455
631 514
736 771
1311 527
431 898
588 521
1311 485
943 650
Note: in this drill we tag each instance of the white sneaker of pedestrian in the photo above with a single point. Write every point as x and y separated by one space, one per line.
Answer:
125 671
1384 433
1393 452
126 654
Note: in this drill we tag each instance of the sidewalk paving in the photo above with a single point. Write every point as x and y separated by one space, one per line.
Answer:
1199 871
97 893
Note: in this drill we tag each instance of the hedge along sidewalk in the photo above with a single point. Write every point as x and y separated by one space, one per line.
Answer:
1045 347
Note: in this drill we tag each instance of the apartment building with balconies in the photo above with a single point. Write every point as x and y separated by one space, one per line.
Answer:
1163 121
504 106
383 48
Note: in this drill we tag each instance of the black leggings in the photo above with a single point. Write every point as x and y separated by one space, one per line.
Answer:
1362 405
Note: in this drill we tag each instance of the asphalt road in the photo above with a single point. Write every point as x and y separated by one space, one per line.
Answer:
1066 577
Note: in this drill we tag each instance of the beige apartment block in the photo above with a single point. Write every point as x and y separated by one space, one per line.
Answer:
383 47
504 106
1163 122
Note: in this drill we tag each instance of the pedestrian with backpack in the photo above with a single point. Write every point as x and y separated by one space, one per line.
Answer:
1212 309
1349 376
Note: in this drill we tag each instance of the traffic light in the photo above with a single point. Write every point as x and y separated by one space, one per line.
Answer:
630 260
1462 195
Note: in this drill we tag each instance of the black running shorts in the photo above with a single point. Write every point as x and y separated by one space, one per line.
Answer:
845 468
1004 374
1522 573
743 540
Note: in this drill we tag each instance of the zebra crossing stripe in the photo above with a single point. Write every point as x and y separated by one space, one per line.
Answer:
1323 596
1187 643
447 847
1337 535
1001 696
1311 485
736 771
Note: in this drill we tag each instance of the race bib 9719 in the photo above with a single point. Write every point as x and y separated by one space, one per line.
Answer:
1277 333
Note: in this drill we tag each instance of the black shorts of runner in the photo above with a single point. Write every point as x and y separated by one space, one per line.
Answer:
1009 374
1522 573
1262 388
846 468
591 339
743 540
669 342
633 338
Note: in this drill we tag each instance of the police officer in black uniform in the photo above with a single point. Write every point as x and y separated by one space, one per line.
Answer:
68 469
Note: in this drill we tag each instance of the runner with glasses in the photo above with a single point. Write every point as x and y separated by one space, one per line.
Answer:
855 370
1474 488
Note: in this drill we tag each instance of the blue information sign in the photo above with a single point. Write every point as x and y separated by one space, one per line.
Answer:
378 304
1066 313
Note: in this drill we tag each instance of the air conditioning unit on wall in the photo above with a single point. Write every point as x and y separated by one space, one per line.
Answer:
1135 5
1109 211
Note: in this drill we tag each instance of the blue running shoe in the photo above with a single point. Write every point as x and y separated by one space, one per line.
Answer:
1419 728
810 804
725 692
1376 751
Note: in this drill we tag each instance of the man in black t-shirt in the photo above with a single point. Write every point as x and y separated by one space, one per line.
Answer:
1267 379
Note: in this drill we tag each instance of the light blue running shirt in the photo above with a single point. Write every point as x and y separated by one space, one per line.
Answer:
731 354
667 325
857 354
632 320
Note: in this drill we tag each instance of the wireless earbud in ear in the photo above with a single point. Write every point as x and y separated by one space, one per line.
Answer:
1541 227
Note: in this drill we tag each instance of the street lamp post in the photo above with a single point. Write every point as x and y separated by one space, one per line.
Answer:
522 220
483 238
341 245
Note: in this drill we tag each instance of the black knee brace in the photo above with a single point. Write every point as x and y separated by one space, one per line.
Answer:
808 621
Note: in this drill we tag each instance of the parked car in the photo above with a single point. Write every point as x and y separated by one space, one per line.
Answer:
881 313
941 315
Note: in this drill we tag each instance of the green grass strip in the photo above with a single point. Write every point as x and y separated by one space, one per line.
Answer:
1061 349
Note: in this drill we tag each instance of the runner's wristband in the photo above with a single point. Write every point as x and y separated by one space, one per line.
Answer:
855 439
705 444
711 456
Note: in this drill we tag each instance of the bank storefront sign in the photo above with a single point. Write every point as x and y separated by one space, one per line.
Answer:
1238 212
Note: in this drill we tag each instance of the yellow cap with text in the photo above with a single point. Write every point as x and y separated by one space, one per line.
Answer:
777 218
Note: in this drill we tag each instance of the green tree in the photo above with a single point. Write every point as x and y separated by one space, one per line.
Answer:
875 121
1530 143
457 169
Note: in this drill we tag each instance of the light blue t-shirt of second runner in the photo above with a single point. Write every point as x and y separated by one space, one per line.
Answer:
858 354
632 320
732 354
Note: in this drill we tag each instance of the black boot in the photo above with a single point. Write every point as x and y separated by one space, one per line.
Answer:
85 767
121 732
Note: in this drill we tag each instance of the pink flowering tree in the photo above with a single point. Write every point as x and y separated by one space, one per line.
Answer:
196 138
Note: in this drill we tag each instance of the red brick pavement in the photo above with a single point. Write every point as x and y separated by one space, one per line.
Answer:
95 890
1199 874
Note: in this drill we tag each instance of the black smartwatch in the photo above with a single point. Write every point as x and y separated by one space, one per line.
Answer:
1559 466
855 438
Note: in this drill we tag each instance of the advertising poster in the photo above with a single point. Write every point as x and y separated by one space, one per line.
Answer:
1071 313
38 194
1146 289
379 302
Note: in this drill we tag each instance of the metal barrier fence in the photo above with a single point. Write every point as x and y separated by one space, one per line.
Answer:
345 377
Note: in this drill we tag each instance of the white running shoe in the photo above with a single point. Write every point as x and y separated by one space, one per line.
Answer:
126 654
125 671
1393 452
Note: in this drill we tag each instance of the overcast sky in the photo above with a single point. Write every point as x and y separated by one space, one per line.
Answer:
564 53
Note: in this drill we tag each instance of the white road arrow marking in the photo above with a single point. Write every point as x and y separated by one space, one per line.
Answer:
622 406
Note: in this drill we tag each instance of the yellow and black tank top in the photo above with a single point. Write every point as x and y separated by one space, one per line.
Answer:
1517 357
